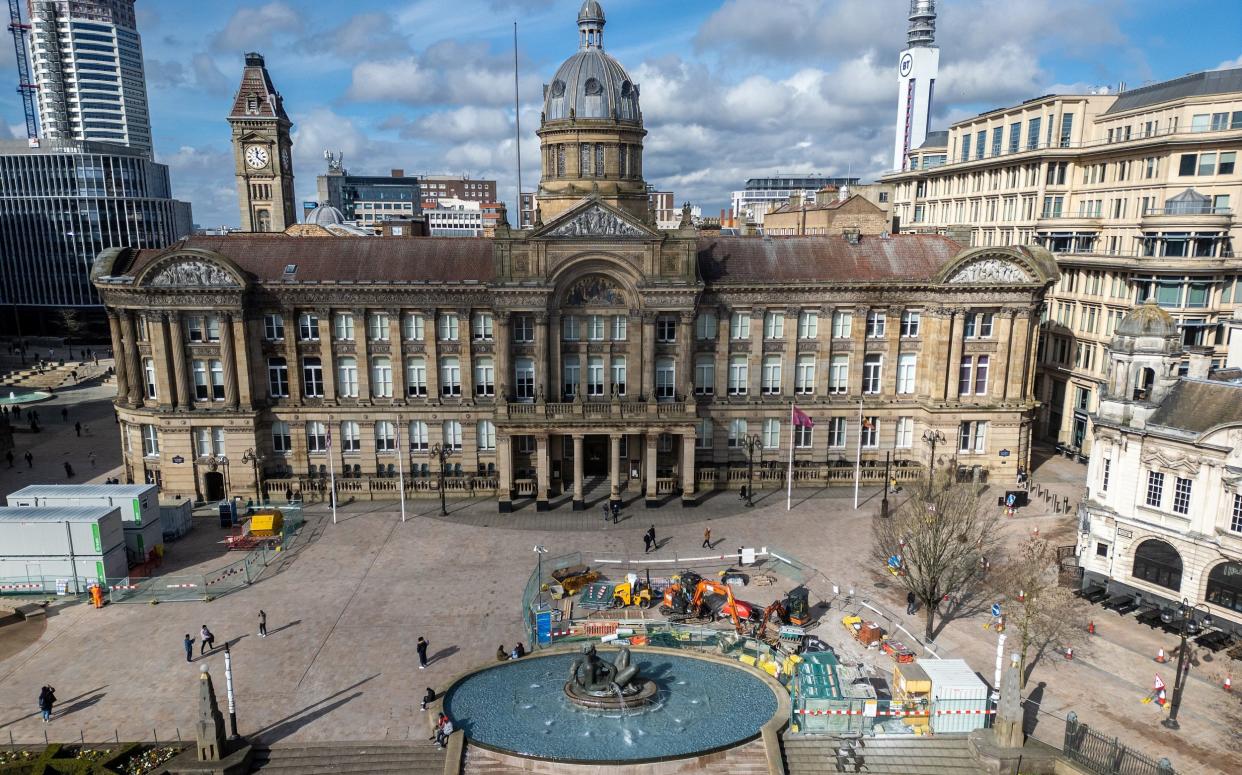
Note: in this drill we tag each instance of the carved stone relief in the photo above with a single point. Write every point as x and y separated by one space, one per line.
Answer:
991 270
596 222
199 274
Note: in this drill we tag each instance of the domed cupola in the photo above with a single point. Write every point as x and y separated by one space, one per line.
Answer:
591 129
1143 359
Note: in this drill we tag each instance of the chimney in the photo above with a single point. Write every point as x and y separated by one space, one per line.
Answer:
795 199
824 195
1200 362
398 173
843 193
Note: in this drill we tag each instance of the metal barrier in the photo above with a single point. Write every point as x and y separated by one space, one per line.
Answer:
1105 755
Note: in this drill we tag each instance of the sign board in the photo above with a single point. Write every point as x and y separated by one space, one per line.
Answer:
1004 453
62 586
178 459
1010 500
1123 533
748 556
996 609
543 627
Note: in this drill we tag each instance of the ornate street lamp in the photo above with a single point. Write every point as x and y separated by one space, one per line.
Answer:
1179 681
751 443
253 458
442 452
931 437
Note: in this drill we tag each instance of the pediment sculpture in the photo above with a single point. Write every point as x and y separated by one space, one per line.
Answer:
200 274
595 221
991 270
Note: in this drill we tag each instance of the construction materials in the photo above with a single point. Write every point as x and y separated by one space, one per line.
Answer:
267 523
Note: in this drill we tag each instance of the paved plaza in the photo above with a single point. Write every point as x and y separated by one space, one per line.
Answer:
348 603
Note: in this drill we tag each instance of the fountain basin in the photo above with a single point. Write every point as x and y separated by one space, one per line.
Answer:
22 397
701 704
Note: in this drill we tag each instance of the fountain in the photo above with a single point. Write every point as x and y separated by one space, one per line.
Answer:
594 683
23 397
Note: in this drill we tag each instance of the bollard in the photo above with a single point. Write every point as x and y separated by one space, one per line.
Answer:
116 734
1056 507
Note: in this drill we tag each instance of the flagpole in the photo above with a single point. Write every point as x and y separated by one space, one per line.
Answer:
858 456
401 469
331 473
789 476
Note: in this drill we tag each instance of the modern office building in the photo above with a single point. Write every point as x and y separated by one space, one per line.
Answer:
917 67
664 209
367 200
527 216
434 187
87 62
763 194
1163 512
64 202
454 218
593 354
1135 193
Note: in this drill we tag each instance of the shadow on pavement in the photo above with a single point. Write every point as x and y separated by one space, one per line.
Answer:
68 705
293 722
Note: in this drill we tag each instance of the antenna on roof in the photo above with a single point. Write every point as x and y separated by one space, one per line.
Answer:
517 123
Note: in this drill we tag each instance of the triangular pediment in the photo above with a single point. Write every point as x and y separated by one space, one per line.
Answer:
593 219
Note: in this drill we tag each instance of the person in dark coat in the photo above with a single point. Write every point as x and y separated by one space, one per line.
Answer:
910 603
421 646
428 696
189 648
47 698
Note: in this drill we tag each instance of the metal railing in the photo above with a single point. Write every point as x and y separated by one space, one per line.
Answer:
1106 755
1188 210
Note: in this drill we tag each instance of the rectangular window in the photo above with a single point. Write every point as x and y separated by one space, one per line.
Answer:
595 328
842 325
381 377
481 326
450 377
343 327
1207 163
1227 162
347 377
1015 136
595 375
703 436
277 378
966 146
739 326
452 434
273 327
771 377
910 320
312 377
484 377
419 441
704 375
1235 519
316 437
870 431
980 143
1106 470
739 375
665 379
569 328
385 436
620 324
804 375
875 324
836 432
351 437
486 436
377 326
150 441
873 368
808 324
569 376
449 327
619 374
1187 164
737 433
666 328
774 325
1181 495
308 327
904 433
1032 134
705 326
972 437
282 440
981 375
802 436
524 379
907 364
996 140
839 375
1067 129
1155 489
523 328
771 434
413 327
979 325
415 377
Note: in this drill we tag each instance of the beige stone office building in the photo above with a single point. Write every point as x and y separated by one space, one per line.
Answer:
831 212
1135 193
591 356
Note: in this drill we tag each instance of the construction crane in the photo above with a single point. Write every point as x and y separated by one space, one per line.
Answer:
25 84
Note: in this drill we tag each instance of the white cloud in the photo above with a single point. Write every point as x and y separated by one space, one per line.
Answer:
1229 64
255 28
446 73
467 123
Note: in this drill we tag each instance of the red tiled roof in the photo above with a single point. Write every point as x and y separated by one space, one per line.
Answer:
823 259
255 80
346 259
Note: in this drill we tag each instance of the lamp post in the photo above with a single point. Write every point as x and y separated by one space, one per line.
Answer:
254 459
931 437
441 453
1179 680
884 501
228 685
752 443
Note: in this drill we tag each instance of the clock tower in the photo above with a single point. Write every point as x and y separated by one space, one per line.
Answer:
916 79
262 152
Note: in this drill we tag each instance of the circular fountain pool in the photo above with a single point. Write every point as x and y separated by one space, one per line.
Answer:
11 397
702 705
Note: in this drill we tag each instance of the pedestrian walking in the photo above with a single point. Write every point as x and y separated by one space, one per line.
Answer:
607 511
77 428
9 457
646 542
29 459
707 538
189 648
288 495
651 532
910 603
208 641
47 698
68 470
91 456
428 696
262 623
64 414
422 652
615 507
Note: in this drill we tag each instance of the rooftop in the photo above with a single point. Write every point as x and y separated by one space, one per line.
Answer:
1193 85
58 514
1198 405
85 490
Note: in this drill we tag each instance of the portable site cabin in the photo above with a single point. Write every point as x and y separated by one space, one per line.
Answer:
139 505
49 546
957 689
176 518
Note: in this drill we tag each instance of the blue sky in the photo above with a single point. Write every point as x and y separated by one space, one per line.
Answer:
730 88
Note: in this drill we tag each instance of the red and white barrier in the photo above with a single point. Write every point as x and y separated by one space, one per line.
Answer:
896 713
21 586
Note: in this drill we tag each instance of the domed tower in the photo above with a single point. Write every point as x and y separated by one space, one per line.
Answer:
591 131
1143 357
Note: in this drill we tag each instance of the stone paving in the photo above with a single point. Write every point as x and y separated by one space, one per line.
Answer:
347 605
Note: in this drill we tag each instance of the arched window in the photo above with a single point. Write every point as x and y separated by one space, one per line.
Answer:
263 221
1143 384
1158 563
1224 586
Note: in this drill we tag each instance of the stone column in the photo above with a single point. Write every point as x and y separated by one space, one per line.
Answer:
614 467
892 334
823 353
395 356
579 504
500 329
467 363
504 472
687 470
649 463
685 358
754 369
1023 367
157 326
175 342
129 353
291 356
543 471
362 354
957 331
584 356
648 362
327 356
242 342
119 358
542 370
431 341
228 354
858 334
722 354
1005 353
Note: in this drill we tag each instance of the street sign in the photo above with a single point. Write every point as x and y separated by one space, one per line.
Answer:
996 609
1010 500
178 459
1004 453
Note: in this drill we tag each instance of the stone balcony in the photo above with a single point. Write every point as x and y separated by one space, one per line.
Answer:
591 412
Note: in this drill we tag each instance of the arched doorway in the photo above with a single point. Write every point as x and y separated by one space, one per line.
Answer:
1224 586
1157 562
213 484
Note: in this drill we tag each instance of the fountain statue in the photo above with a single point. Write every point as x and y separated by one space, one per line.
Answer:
595 683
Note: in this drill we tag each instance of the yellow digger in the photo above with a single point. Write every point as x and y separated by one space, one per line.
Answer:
631 592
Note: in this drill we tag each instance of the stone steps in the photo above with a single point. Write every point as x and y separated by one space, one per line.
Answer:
749 759
349 759
882 755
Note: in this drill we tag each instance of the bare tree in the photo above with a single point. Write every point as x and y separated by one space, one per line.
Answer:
70 323
1039 613
941 536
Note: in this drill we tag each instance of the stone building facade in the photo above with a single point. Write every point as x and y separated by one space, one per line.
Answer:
829 213
594 355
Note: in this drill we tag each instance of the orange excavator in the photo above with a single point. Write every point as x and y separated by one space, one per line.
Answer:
716 588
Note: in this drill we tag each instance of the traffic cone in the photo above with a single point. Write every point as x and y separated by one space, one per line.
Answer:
1069 653
1090 628
1160 657
1228 684
1035 531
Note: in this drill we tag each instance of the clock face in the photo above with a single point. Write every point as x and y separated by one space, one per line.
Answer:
284 159
256 157
903 67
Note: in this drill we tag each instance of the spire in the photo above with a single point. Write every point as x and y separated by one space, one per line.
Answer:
922 32
256 96
591 25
